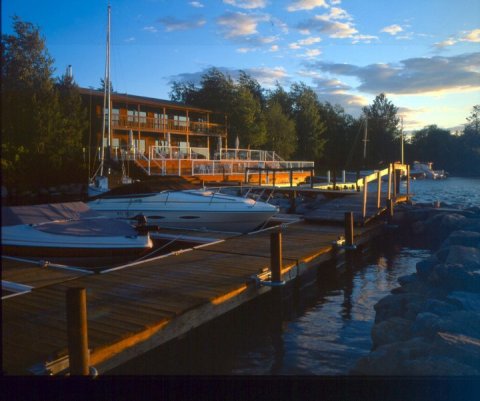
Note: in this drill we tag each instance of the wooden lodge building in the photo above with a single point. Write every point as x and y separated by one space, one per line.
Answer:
168 138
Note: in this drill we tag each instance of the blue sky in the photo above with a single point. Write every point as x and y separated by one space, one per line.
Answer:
424 54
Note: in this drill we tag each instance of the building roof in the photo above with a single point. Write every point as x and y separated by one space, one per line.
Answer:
125 97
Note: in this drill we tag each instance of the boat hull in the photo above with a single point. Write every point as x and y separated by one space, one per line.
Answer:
198 210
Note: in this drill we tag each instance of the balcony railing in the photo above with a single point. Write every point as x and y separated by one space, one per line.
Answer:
167 125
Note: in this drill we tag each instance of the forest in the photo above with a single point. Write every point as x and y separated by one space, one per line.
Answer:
45 125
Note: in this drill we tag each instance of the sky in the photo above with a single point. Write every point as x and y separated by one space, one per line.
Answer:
423 54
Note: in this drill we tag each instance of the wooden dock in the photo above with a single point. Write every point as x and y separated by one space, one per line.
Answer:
134 309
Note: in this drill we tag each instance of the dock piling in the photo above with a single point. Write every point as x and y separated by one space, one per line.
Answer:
276 256
349 234
389 210
77 331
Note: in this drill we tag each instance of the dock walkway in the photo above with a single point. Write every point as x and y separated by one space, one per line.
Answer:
134 309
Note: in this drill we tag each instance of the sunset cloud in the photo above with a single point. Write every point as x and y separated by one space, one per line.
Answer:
472 36
239 24
306 5
392 29
173 24
413 76
247 4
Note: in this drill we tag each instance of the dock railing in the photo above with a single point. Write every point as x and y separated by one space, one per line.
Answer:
393 171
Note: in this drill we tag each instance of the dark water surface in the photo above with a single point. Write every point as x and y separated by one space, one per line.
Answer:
322 328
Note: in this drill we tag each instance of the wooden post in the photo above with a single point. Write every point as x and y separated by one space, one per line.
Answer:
311 178
379 189
394 176
389 191
408 180
349 228
259 177
276 256
389 209
398 177
365 193
273 177
293 201
291 178
77 331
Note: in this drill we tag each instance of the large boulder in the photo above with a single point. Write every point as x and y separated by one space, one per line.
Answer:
465 300
463 238
391 330
395 305
455 277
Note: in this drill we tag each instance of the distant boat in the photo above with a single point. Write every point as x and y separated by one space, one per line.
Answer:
68 231
188 209
422 170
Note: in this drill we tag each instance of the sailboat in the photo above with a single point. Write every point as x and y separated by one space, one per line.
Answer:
99 182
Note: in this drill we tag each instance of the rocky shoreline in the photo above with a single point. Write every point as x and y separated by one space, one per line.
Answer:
430 324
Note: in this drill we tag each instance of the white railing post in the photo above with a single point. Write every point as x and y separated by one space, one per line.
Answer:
365 193
379 189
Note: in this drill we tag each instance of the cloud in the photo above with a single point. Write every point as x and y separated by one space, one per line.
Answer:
446 43
265 76
472 36
392 29
196 4
129 40
413 76
312 53
306 5
173 24
247 4
336 24
238 24
274 48
151 29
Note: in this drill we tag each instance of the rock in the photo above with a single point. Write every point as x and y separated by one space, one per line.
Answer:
427 324
389 359
391 330
463 349
437 366
465 300
440 308
467 256
395 305
425 267
455 277
464 238
408 279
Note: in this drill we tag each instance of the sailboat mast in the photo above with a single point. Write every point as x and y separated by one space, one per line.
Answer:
109 85
365 140
402 140
106 97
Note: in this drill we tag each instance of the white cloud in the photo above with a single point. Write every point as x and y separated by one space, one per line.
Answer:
306 5
151 29
196 4
392 29
247 4
337 23
413 76
130 39
274 48
304 42
446 43
312 53
172 24
472 36
238 24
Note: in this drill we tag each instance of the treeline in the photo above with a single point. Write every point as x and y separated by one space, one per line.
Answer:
44 122
298 125
45 125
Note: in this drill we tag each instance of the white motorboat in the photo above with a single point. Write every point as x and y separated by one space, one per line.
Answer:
193 209
68 231
425 170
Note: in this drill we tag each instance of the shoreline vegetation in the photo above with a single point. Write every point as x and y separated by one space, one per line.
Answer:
430 324
46 140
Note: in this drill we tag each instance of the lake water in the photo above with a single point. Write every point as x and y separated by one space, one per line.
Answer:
321 329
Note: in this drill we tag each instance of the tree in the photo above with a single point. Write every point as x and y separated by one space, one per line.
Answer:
281 132
473 125
310 127
382 131
37 126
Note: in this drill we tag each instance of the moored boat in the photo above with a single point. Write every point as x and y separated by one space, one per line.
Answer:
68 231
422 170
193 209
